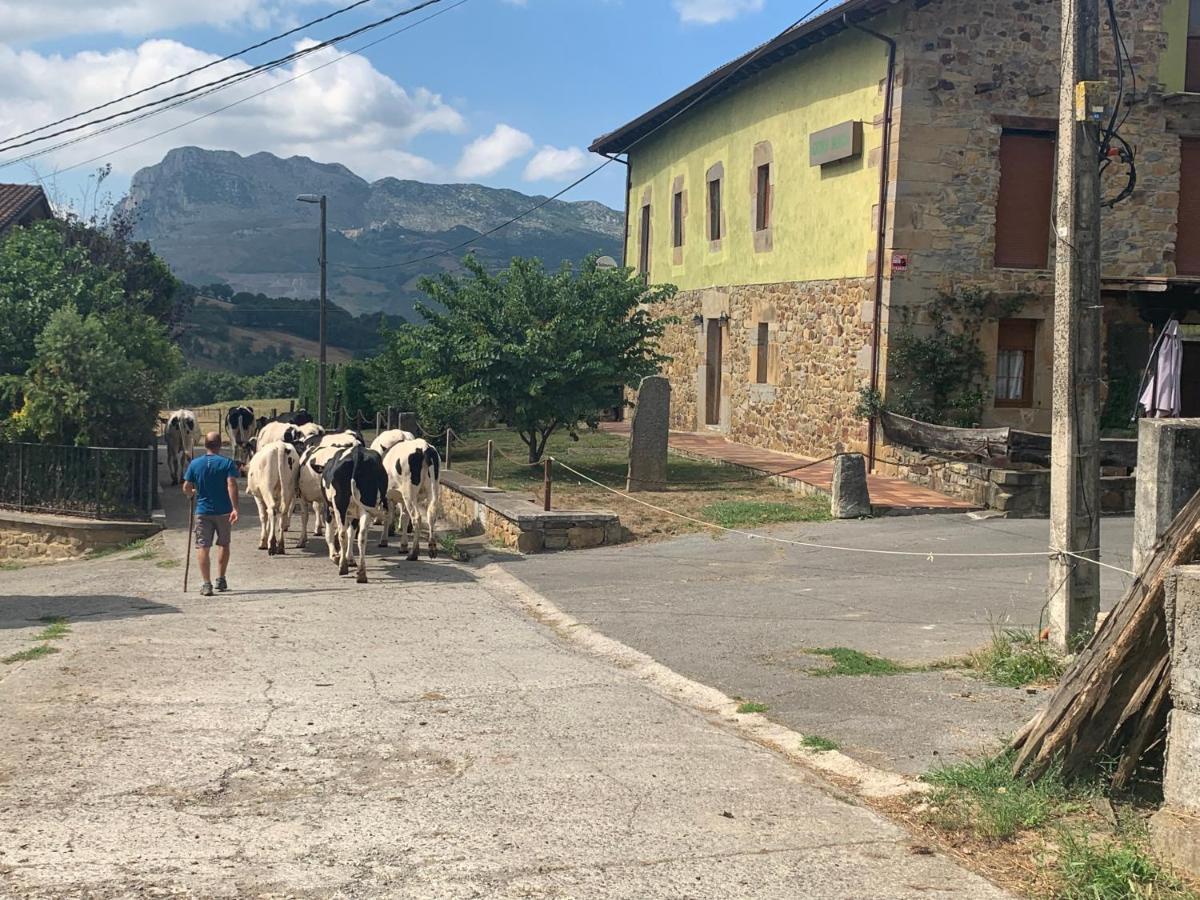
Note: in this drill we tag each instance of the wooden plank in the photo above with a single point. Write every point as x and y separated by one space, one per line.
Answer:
924 436
1123 662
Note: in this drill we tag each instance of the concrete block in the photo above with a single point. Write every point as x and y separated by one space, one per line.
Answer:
1175 837
584 536
1183 632
1181 781
529 541
555 539
1168 473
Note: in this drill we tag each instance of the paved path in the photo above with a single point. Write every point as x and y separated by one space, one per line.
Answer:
419 736
891 493
740 614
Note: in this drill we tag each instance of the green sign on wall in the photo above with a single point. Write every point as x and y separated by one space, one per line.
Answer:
839 142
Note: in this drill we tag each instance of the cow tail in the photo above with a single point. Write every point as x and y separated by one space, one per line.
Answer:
433 461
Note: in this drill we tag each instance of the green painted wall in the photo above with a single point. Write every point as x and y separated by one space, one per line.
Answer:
822 226
1173 62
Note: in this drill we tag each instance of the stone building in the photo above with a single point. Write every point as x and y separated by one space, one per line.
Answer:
803 228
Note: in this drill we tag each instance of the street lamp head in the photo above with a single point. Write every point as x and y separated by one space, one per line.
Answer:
310 198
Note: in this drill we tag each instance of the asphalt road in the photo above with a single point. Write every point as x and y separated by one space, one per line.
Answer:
740 614
420 736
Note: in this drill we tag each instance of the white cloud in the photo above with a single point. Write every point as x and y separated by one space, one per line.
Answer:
709 12
551 162
489 154
30 20
349 112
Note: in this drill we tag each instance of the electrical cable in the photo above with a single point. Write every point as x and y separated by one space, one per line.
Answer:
608 160
172 101
173 78
227 106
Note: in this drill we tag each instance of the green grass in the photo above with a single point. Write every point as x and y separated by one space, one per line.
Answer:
984 799
818 743
752 513
8 565
139 544
855 662
1016 658
32 653
57 628
449 543
1118 869
167 564
750 706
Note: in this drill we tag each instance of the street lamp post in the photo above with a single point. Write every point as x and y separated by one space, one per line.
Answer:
320 198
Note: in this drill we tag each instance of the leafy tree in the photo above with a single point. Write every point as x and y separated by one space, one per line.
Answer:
281 380
201 387
41 273
98 379
540 350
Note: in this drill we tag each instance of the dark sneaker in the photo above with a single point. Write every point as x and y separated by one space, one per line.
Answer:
222 584
206 589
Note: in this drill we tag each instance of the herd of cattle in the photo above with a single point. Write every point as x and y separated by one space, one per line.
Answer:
345 485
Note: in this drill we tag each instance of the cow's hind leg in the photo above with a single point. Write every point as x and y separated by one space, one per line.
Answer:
364 526
263 522
430 515
280 520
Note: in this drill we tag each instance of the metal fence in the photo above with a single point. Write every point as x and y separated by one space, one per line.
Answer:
97 482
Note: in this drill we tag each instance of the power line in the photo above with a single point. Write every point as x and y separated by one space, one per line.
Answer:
608 161
210 87
173 78
227 106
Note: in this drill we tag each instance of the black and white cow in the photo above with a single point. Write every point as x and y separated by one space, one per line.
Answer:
386 440
310 490
241 425
356 488
179 434
414 491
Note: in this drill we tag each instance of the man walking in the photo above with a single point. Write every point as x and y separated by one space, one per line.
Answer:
212 480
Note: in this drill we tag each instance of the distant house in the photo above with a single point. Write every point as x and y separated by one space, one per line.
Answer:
21 204
801 225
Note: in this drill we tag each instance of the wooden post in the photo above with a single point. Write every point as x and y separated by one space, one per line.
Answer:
1074 584
291 406
547 481
449 435
490 448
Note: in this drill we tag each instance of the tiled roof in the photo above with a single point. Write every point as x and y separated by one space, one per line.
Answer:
18 199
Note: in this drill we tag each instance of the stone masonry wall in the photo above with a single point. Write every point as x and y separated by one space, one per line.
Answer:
818 357
967 71
27 536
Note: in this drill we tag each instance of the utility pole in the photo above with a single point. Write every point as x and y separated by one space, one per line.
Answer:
321 199
1074 583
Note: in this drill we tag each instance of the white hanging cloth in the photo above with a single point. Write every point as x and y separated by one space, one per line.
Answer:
1161 398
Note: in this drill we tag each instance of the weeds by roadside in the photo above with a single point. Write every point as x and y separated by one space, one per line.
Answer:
818 743
750 706
855 662
1016 658
8 565
26 655
1048 837
167 564
139 544
55 629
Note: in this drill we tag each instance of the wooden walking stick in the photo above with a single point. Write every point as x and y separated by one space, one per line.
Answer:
187 565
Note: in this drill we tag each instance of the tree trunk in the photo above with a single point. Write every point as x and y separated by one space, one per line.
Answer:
1112 701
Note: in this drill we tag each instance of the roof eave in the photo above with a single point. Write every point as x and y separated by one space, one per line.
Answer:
719 81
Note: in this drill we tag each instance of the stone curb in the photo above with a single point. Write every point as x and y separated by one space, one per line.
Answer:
865 780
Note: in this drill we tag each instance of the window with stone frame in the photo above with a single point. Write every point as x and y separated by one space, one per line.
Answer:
677 219
644 247
714 209
762 354
1016 340
1025 201
1191 76
763 194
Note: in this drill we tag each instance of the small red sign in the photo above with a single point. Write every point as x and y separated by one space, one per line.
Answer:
899 262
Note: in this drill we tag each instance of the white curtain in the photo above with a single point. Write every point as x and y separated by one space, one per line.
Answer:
1010 375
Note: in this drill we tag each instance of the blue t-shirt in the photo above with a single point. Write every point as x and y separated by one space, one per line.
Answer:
209 474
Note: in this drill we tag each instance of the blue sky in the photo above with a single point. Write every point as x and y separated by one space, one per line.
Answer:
503 92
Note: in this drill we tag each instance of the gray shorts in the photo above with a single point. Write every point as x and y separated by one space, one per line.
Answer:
207 526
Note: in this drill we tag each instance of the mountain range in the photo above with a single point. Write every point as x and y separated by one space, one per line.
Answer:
217 216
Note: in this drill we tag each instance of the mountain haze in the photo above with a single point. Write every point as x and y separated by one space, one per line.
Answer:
214 215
